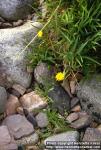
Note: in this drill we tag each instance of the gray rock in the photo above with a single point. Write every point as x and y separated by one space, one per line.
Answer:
12 56
74 101
31 139
61 99
3 99
67 137
92 134
42 74
18 126
15 9
6 140
42 120
89 93
72 117
83 122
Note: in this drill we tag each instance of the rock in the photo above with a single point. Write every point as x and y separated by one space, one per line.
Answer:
74 101
42 74
92 134
20 111
3 99
14 10
32 101
19 88
77 108
66 86
61 99
6 25
14 92
12 105
66 137
18 23
12 53
30 117
73 86
31 139
42 120
18 126
99 127
6 140
72 117
2 19
82 114
81 122
89 93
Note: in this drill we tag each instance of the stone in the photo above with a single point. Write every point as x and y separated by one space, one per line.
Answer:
82 114
6 25
67 137
42 120
60 98
20 110
12 105
74 101
19 88
12 53
31 139
14 92
42 74
32 101
66 86
18 126
6 140
2 19
18 23
89 93
14 10
30 117
92 134
77 108
3 99
99 127
81 122
72 117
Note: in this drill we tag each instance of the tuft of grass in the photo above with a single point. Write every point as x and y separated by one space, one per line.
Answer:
70 36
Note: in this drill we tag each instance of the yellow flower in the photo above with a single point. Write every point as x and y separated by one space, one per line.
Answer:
60 76
40 33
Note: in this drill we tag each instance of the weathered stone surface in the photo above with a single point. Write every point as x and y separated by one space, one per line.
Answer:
69 136
31 139
18 126
42 120
89 93
92 134
72 117
74 101
12 56
32 101
42 74
6 140
15 9
12 105
19 88
61 99
81 122
77 108
3 99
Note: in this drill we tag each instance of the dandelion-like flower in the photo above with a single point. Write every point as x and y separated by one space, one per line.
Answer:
60 76
40 33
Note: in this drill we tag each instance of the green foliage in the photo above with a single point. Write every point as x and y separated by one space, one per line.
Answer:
57 124
71 37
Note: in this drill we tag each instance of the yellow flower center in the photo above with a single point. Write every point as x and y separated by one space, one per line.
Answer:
60 76
40 33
